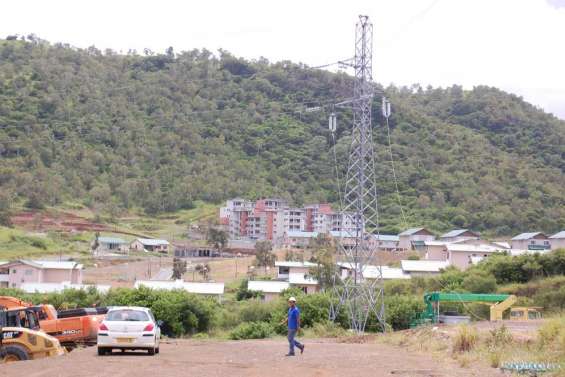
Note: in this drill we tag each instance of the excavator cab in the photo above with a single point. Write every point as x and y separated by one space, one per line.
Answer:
24 317
18 340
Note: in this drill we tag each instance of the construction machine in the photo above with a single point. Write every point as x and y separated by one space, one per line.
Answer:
21 343
70 327
498 304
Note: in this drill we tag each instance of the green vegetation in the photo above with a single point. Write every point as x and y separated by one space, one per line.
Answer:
162 131
18 244
252 330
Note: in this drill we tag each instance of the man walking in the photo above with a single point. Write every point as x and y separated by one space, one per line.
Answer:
293 322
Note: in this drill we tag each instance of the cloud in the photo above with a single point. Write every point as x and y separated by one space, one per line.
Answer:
556 3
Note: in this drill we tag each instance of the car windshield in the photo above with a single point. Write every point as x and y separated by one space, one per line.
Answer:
127 315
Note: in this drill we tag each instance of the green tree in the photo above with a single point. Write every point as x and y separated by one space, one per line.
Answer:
217 238
179 268
323 251
264 256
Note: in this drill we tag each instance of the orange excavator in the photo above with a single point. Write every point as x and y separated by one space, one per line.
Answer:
71 327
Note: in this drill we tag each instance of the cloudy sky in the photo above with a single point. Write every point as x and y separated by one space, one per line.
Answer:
517 45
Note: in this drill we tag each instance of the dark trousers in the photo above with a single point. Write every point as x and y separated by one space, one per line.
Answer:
292 342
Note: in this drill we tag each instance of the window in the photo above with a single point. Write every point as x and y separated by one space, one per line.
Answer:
28 272
14 271
127 315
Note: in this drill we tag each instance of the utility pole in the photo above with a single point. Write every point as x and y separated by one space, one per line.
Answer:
359 212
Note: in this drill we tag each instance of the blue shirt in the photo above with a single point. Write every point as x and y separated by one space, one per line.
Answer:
293 314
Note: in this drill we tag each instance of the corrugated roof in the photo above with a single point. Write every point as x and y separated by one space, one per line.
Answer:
435 243
192 287
387 237
455 233
472 248
423 265
409 232
526 236
267 286
287 263
504 245
558 235
59 265
387 273
112 240
342 234
152 242
301 234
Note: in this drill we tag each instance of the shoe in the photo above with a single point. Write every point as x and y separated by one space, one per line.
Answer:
290 354
302 349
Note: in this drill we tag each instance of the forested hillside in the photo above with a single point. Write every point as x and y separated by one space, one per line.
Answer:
159 131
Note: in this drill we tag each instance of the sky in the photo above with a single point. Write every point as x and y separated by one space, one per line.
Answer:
515 45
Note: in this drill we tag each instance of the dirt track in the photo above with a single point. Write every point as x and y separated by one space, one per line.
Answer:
247 358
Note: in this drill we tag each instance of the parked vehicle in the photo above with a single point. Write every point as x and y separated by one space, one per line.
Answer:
129 328
20 343
71 327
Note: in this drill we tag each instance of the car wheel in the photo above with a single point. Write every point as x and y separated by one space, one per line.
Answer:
13 353
151 351
157 350
102 351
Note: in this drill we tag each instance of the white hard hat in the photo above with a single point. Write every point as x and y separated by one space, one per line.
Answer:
292 299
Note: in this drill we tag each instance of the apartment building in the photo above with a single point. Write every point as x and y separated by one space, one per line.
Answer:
271 219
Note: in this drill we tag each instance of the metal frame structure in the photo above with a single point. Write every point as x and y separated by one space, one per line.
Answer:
358 247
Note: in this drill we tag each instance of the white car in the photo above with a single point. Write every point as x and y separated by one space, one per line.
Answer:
129 328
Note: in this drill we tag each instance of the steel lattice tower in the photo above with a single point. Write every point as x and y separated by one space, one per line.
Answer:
359 213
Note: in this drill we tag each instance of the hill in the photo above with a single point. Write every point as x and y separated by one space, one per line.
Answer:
160 131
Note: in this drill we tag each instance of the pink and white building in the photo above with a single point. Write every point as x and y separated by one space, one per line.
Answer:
18 273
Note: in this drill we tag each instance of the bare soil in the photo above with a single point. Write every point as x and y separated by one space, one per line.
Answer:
248 358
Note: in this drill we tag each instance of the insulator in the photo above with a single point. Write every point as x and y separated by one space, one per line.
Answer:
332 122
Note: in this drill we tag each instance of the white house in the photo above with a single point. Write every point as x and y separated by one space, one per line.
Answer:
558 240
269 288
531 241
14 274
423 267
297 274
150 244
463 256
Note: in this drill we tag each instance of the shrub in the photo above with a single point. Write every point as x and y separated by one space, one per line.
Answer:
479 282
401 310
465 339
252 330
499 337
328 329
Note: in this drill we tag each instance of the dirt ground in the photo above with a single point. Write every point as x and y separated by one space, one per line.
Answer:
248 358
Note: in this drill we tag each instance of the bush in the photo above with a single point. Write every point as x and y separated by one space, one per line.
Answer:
252 330
479 282
182 312
401 310
328 329
465 339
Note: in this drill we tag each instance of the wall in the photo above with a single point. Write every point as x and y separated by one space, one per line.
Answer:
557 243
53 275
436 252
19 277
